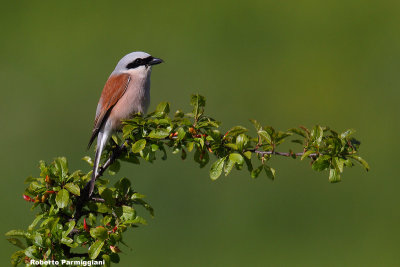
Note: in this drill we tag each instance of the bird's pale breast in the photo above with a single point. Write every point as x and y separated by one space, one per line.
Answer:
136 99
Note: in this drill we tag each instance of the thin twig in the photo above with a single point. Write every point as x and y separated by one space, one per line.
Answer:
285 154
98 199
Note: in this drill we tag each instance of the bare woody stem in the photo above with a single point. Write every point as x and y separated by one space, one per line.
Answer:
285 154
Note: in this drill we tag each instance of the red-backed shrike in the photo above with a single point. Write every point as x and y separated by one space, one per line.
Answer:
126 92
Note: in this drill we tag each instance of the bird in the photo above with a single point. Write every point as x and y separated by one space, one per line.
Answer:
126 92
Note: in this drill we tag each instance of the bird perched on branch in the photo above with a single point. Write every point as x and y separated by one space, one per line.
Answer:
126 92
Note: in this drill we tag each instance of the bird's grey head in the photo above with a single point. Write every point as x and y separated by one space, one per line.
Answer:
136 60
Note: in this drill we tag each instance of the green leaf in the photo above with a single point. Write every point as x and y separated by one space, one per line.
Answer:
114 137
114 257
334 176
297 131
297 141
61 166
32 252
163 107
306 154
236 131
107 195
37 239
216 168
35 222
44 170
247 154
347 133
317 134
183 156
69 242
322 163
270 172
137 220
137 196
82 238
241 141
73 188
232 146
114 167
190 146
138 145
107 260
181 133
17 257
95 249
123 185
99 207
256 124
361 161
127 130
16 242
255 172
228 166
198 102
338 164
237 158
179 114
62 198
99 233
159 133
128 213
202 157
265 136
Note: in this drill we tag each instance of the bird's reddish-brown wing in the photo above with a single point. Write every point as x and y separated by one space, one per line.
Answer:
113 90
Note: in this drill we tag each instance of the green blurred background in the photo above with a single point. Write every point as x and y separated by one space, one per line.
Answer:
286 64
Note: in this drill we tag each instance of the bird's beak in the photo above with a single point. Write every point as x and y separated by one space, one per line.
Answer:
156 61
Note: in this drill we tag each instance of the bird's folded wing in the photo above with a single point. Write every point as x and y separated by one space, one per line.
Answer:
113 90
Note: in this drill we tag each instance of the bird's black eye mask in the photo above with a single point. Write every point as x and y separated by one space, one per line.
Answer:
139 62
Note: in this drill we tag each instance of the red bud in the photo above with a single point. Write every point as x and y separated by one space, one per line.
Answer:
28 198
85 227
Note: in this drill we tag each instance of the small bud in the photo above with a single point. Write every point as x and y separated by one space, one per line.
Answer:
192 130
85 226
27 198
115 249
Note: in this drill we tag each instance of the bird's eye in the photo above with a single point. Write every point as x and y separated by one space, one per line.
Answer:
138 61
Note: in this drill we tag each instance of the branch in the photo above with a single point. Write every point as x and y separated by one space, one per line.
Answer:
143 138
285 154
115 155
